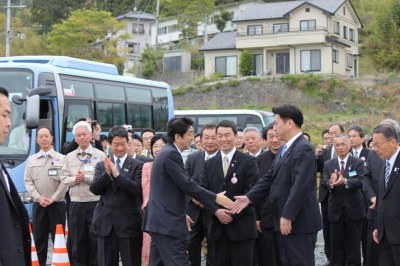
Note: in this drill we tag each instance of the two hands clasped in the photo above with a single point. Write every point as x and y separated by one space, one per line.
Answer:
336 179
232 208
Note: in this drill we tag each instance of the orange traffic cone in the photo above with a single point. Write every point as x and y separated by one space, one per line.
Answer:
60 253
35 260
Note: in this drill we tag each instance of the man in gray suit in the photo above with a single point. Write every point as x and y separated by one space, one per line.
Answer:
15 241
165 217
195 210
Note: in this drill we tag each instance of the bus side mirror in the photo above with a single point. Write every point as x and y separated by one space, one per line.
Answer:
32 111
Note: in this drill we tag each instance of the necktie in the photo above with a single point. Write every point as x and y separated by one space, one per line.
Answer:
284 148
387 173
149 154
342 168
356 154
119 165
226 165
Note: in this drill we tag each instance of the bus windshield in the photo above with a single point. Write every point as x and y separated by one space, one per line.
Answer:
17 82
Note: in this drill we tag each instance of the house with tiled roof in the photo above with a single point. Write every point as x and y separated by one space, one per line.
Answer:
296 37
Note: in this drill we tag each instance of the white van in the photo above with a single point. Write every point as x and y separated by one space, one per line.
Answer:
242 117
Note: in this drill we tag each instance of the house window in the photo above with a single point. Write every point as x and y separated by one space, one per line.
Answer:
345 32
351 35
133 48
307 9
336 27
310 60
162 30
226 65
349 60
210 19
137 29
335 56
172 28
254 30
344 11
282 27
307 25
172 64
257 64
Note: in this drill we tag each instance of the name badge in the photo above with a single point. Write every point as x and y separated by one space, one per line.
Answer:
89 168
52 172
352 173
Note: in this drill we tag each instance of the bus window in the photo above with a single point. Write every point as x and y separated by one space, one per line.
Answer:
46 118
110 114
204 120
139 116
110 92
160 109
76 109
138 95
77 88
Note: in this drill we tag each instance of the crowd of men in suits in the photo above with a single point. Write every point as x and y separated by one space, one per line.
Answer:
254 204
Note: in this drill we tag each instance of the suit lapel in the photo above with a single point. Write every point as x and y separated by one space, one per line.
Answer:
233 164
278 161
3 181
393 175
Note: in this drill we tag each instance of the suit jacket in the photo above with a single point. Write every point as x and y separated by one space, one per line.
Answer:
194 166
326 155
364 157
15 244
121 200
165 213
264 209
241 176
374 167
291 188
388 208
342 199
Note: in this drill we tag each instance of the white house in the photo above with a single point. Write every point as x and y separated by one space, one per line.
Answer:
311 36
140 31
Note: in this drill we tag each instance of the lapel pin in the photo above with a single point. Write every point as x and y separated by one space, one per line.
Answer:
395 169
126 170
234 179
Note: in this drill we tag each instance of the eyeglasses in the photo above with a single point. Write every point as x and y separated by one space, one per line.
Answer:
378 146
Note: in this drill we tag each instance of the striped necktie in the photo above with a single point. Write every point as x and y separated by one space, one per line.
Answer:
387 173
118 165
226 165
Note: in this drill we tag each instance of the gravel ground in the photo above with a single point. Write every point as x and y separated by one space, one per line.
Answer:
319 252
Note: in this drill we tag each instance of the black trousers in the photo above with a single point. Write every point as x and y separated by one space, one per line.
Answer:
111 246
267 248
83 241
168 251
346 240
199 231
372 246
389 255
297 249
44 221
233 253
326 231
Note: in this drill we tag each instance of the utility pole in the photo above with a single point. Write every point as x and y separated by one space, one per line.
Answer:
157 15
8 26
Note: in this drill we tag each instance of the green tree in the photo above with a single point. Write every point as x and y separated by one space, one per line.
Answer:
189 13
222 19
246 64
79 34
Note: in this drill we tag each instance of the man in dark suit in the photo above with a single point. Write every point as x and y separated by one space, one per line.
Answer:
267 240
15 244
165 217
356 136
117 218
291 187
387 231
323 195
194 166
343 179
232 171
374 167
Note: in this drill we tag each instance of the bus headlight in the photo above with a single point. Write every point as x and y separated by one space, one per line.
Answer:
25 197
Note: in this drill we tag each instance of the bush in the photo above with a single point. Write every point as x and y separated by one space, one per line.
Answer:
246 63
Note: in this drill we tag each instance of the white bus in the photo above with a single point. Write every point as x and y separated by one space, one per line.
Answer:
242 117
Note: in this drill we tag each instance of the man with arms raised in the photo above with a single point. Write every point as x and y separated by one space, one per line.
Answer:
165 217
291 187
